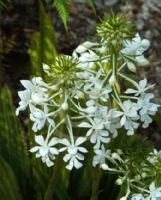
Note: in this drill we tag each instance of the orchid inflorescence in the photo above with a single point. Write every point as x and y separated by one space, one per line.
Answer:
83 93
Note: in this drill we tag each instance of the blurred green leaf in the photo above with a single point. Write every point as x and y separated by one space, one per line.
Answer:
62 6
43 43
9 189
12 144
91 3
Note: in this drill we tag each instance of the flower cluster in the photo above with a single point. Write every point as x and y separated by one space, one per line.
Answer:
85 91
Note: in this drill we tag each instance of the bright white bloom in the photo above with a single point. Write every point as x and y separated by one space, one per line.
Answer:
100 156
154 156
35 93
94 125
45 150
84 47
87 59
39 118
129 117
98 137
74 151
155 193
111 121
142 87
146 108
136 48
85 54
98 91
137 197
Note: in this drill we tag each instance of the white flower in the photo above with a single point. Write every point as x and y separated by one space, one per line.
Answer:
99 136
146 108
94 125
91 107
137 197
39 118
84 47
154 156
136 48
129 117
85 55
98 91
88 59
74 155
142 87
100 156
111 121
155 193
34 93
45 150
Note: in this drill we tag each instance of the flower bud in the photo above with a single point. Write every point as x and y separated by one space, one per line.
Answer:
131 66
141 60
112 80
81 49
119 181
54 87
80 95
65 106
46 68
88 44
104 166
145 43
116 156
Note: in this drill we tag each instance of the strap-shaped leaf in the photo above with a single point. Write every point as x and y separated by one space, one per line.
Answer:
43 48
9 189
62 6
12 144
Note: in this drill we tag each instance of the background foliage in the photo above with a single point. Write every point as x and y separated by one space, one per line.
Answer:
23 176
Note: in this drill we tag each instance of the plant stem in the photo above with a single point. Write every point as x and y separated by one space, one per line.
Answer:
55 178
95 184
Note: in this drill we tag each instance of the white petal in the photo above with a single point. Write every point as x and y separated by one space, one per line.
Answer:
70 165
142 60
80 140
77 164
88 44
81 49
27 84
43 151
53 151
123 120
65 142
85 125
34 149
24 95
131 66
49 163
143 83
53 141
72 150
145 44
67 157
39 139
130 91
82 149
152 186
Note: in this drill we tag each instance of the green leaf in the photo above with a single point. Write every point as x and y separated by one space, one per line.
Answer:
12 144
9 189
91 3
43 43
62 6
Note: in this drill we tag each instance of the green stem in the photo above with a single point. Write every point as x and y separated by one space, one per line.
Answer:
54 180
95 184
